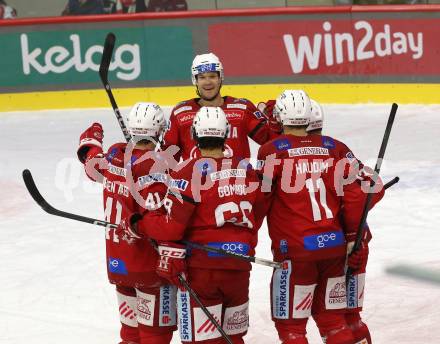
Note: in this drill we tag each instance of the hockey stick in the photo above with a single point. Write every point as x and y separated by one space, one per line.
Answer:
204 309
104 67
39 199
36 195
232 254
393 181
383 146
256 260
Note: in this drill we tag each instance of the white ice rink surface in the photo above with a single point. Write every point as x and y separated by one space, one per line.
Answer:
53 284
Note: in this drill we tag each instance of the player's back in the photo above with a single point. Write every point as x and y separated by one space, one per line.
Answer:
304 219
225 195
128 186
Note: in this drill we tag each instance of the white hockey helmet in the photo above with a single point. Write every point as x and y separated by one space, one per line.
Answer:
293 108
146 120
206 63
316 116
9 12
210 121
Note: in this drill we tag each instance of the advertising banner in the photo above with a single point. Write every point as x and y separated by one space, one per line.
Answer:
394 47
72 57
342 54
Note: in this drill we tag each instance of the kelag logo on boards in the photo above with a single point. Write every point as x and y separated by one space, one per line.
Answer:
60 59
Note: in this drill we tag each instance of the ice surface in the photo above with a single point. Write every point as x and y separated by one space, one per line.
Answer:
53 283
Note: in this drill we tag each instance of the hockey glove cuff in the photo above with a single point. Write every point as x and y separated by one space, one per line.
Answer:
171 262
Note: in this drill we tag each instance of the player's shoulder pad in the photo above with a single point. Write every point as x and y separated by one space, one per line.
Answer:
243 104
180 178
329 142
185 105
117 147
115 154
268 148
244 164
183 168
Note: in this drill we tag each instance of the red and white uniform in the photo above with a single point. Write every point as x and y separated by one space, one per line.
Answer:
7 12
356 285
213 202
244 118
311 192
146 302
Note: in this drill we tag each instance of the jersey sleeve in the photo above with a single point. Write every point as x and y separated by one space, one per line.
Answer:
275 128
95 164
354 197
257 126
171 136
171 220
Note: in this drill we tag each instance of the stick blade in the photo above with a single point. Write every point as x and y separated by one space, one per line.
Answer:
33 191
104 66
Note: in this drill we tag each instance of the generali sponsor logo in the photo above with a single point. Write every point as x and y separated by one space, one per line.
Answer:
59 59
238 321
236 106
144 309
331 48
337 294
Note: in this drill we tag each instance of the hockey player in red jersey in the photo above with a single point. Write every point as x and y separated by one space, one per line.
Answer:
358 260
129 174
312 189
212 200
244 118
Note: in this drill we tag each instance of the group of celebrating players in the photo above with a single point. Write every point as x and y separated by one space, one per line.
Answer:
188 183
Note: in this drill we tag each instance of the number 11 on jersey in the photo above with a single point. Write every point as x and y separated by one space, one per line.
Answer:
318 187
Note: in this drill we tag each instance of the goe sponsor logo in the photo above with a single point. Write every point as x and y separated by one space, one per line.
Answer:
117 266
323 240
59 59
234 247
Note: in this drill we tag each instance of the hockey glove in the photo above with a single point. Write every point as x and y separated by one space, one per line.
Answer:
262 107
90 138
357 260
365 178
171 262
126 229
275 127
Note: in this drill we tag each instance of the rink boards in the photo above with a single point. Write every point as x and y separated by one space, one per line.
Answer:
168 96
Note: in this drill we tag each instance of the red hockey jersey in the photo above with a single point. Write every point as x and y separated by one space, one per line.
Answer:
128 186
244 118
313 186
215 202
